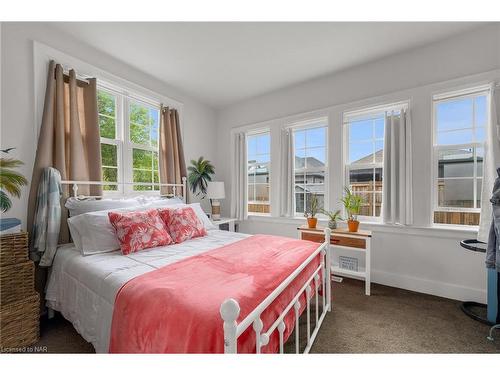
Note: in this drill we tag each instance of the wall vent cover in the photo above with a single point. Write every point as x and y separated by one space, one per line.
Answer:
348 263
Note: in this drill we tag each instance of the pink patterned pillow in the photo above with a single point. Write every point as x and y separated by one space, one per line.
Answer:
139 230
182 223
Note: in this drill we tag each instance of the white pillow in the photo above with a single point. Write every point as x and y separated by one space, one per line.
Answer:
75 235
78 207
148 199
94 234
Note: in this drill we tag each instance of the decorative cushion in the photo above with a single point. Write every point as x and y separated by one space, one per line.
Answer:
182 223
195 206
139 230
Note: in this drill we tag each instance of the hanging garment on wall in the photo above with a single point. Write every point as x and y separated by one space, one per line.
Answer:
492 251
47 219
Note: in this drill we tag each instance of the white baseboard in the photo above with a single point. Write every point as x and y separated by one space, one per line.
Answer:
436 288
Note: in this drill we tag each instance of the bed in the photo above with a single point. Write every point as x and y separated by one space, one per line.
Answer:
85 289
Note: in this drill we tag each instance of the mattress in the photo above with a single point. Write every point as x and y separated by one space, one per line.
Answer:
83 288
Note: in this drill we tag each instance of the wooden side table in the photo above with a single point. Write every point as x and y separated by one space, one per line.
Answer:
359 242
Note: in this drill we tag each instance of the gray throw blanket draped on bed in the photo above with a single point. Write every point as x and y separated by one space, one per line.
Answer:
47 218
492 251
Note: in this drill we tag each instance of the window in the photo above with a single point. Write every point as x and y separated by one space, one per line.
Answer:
107 108
129 141
310 164
459 133
143 137
365 159
259 163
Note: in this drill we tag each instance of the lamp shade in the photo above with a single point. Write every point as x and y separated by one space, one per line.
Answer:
215 190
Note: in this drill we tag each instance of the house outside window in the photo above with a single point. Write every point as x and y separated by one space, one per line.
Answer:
310 164
459 133
365 159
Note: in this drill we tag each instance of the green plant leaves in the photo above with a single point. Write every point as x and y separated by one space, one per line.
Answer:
10 182
352 203
5 202
200 173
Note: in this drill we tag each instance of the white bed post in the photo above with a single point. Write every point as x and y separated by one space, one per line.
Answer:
229 311
328 269
184 198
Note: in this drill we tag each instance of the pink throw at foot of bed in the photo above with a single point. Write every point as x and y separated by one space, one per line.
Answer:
175 309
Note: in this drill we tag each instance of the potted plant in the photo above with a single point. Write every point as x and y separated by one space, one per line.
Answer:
352 204
311 212
333 216
200 173
10 181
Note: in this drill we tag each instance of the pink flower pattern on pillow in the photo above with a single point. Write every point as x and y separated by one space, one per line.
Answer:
182 223
139 230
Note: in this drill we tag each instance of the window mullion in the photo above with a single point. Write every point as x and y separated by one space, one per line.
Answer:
120 143
128 159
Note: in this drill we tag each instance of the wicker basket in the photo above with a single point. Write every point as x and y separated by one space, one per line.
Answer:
13 248
17 282
19 323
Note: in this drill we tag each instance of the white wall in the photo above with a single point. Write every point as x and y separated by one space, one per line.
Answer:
17 92
417 258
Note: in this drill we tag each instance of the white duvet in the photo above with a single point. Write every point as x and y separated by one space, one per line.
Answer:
83 288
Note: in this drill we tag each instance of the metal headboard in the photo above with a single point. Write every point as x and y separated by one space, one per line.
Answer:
174 187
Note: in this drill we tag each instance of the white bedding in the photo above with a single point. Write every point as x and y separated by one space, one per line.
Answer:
83 288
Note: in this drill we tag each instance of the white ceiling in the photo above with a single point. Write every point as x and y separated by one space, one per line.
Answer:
223 63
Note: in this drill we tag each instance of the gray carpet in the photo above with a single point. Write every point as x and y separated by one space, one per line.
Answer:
389 321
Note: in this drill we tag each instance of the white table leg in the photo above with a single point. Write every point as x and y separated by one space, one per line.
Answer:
231 226
368 266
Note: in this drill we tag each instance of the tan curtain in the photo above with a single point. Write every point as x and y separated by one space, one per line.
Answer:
172 163
69 137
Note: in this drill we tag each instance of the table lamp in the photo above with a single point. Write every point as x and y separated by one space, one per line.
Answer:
215 191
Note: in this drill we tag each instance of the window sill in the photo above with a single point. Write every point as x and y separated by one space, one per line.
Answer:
441 231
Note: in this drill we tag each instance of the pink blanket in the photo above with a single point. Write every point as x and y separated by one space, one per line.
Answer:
175 309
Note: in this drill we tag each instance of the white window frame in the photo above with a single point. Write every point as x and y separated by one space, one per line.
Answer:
118 141
448 97
346 120
356 115
124 145
249 134
306 125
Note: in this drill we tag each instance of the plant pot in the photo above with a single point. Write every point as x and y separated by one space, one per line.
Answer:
312 222
353 225
332 224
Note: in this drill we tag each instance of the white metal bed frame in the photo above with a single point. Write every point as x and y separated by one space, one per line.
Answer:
74 184
230 309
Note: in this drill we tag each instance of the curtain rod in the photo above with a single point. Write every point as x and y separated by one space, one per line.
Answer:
78 78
